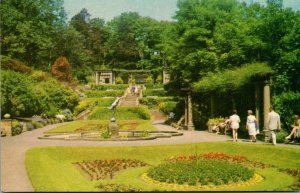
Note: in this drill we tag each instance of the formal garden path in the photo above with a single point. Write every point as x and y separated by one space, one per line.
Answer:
13 172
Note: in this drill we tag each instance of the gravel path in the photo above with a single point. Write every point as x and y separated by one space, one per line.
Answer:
13 173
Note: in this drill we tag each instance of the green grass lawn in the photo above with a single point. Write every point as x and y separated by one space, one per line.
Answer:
51 168
122 113
141 125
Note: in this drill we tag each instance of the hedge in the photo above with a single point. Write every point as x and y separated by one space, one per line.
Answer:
122 113
110 87
108 93
89 103
153 92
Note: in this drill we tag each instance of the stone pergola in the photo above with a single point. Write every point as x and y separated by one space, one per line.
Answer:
104 77
188 110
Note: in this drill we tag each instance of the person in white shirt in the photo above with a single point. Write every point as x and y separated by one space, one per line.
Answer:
234 125
273 124
251 127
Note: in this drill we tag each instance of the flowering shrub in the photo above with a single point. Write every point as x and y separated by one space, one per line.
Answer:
102 169
191 171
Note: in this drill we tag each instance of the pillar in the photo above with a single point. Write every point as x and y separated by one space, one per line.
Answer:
266 109
257 103
97 77
191 126
186 112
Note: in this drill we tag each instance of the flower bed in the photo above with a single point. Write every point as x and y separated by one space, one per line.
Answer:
200 172
117 188
102 169
221 156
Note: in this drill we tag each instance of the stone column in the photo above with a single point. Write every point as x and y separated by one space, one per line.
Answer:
257 103
186 112
191 126
266 109
97 77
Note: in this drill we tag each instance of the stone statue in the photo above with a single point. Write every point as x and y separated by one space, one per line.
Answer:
114 106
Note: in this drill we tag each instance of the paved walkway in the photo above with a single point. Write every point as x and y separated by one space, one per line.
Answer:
13 173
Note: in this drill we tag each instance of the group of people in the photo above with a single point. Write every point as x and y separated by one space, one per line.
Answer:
134 90
273 124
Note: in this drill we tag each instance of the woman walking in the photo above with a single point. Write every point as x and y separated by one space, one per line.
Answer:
250 126
234 125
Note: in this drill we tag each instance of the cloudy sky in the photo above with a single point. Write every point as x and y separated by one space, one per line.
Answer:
157 9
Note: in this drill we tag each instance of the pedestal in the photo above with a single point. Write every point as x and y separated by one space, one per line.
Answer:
113 128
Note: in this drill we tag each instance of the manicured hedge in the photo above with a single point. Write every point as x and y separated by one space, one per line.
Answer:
110 87
154 92
154 101
101 93
122 113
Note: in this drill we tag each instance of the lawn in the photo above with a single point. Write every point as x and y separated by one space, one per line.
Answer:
52 168
85 125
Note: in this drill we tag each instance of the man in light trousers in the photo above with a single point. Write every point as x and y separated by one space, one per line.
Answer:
273 124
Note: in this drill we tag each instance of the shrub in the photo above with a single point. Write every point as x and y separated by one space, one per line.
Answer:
105 134
154 86
38 75
167 107
154 101
109 87
37 124
82 106
119 80
152 92
68 114
54 96
200 171
280 136
215 120
13 64
100 93
61 69
16 130
149 80
122 113
287 104
30 126
18 96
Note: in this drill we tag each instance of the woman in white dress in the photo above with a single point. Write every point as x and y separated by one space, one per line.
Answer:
250 126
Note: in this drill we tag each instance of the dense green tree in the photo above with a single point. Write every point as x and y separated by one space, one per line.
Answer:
28 29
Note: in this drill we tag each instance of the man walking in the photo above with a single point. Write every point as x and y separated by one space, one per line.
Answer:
273 124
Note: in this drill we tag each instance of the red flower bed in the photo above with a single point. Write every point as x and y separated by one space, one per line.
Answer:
222 156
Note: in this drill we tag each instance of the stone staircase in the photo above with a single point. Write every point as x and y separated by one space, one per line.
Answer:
130 100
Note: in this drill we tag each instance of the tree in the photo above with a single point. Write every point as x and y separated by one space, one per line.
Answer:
29 28
61 69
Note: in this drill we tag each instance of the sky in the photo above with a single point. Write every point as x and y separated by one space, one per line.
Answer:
157 9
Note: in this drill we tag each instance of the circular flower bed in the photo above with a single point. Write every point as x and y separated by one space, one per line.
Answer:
200 172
